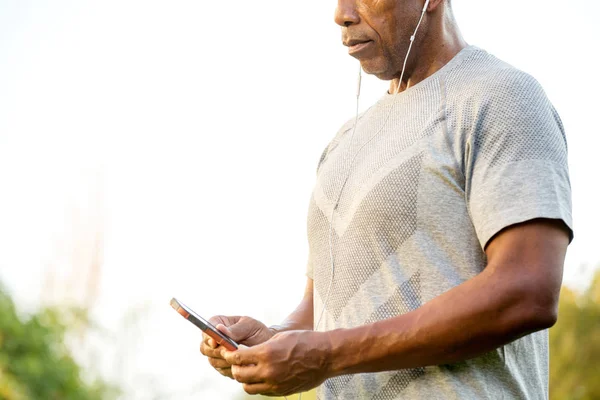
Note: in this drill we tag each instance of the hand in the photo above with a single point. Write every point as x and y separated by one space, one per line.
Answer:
243 330
291 362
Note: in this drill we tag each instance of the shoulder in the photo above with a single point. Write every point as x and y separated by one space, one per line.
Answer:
482 76
485 88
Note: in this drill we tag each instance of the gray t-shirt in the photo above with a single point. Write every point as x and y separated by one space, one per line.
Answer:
442 168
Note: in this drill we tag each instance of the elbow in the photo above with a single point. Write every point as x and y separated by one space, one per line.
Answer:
537 310
545 317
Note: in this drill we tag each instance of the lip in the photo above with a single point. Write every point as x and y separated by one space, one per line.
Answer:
355 48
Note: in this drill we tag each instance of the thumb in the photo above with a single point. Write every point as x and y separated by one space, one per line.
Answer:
239 331
225 330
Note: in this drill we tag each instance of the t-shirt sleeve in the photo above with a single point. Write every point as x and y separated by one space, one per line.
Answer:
516 159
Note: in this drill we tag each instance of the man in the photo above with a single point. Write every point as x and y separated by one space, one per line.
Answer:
438 228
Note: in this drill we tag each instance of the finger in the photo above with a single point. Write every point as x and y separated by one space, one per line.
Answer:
246 374
225 372
242 356
210 342
218 363
257 388
209 351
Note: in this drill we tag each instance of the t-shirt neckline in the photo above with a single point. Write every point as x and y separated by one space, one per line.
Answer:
459 57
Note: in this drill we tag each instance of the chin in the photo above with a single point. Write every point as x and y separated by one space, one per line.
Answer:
378 68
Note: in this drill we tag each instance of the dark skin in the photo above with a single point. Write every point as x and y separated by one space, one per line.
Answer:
250 332
515 294
388 25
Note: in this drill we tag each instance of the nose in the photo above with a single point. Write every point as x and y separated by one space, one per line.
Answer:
346 13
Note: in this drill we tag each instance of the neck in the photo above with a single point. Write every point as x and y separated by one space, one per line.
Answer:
441 42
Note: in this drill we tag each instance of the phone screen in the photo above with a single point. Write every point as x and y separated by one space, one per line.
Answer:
204 325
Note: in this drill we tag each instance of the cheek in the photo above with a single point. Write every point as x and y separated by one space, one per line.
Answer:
385 32
388 32
385 48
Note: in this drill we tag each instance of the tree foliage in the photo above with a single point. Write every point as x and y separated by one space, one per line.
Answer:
35 363
575 345
312 395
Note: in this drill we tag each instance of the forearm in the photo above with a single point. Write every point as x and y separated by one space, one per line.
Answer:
470 319
302 317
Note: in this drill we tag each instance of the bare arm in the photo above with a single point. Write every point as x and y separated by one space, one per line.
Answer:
302 317
515 295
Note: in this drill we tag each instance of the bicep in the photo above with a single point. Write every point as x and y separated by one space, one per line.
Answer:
531 253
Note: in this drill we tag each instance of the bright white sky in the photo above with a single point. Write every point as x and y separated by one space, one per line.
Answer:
189 131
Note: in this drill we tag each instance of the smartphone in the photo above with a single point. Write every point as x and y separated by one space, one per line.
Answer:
204 325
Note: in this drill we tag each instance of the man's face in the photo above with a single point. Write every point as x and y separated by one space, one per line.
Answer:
377 32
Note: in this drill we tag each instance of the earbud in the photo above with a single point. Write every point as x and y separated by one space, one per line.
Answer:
425 8
412 38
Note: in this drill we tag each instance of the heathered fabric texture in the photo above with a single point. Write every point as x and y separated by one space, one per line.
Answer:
470 150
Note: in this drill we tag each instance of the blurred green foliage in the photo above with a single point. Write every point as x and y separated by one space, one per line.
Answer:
312 395
575 345
35 363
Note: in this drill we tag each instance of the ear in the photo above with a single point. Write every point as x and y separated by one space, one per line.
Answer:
435 4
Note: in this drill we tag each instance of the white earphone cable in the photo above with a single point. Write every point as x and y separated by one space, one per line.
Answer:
356 154
412 38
